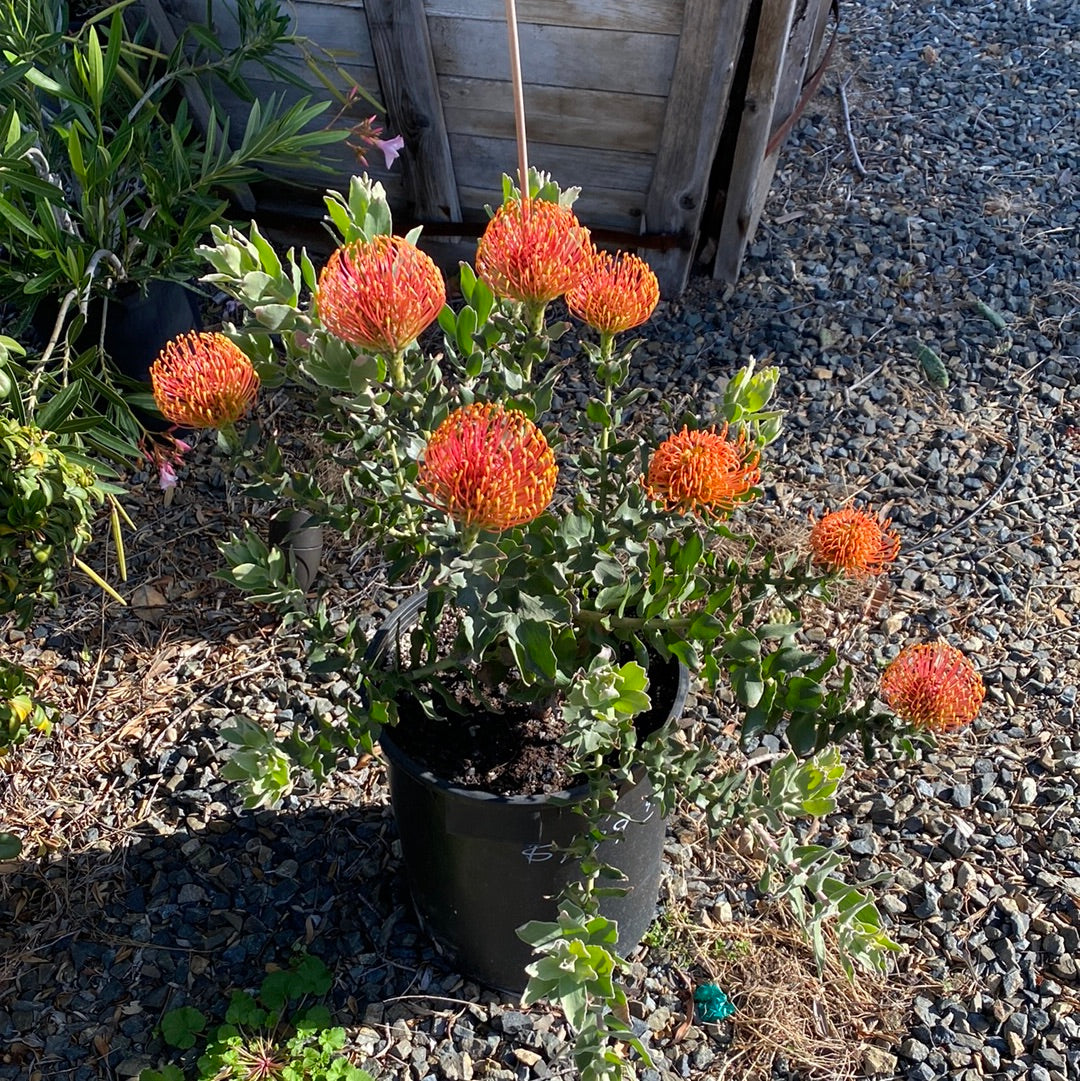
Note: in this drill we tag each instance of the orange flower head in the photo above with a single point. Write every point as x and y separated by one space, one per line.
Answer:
533 251
203 380
696 471
933 686
616 293
488 467
379 294
855 542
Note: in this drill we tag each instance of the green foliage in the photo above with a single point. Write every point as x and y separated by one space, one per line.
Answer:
257 760
745 398
10 846
21 713
274 1034
107 184
48 499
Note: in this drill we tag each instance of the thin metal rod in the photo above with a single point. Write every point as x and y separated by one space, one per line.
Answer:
519 97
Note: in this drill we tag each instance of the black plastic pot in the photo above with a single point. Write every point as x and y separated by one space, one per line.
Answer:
293 531
481 865
140 324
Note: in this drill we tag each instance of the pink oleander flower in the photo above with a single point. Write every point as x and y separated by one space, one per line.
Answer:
703 471
615 293
380 294
488 467
369 133
855 542
933 686
203 380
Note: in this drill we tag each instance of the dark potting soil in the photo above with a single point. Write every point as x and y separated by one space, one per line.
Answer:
510 749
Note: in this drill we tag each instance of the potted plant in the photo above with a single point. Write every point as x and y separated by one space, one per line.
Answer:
527 699
107 184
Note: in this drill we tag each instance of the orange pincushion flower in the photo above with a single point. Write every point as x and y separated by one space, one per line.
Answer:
532 251
933 686
203 380
616 293
703 471
380 294
488 466
855 542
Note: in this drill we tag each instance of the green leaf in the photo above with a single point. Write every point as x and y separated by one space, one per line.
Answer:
466 327
95 68
534 647
166 1073
803 695
742 646
802 733
689 555
179 1027
244 1010
747 685
19 219
10 846
597 412
58 409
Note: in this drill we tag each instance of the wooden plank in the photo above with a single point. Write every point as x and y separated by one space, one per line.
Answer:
597 118
399 38
196 97
638 16
697 102
557 55
747 174
796 59
481 161
803 47
337 28
606 208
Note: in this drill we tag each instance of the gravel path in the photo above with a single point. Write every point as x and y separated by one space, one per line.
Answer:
157 890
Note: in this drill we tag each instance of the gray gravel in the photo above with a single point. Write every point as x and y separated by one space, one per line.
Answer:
966 117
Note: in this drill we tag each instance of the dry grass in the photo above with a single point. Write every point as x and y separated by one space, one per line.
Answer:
787 1012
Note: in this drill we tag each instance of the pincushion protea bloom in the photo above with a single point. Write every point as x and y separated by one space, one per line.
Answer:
488 467
615 293
203 380
695 471
855 542
533 251
379 294
933 686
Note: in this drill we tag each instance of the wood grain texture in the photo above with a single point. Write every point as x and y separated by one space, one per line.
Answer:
801 54
697 102
410 86
482 160
596 207
601 119
749 179
338 28
556 55
637 16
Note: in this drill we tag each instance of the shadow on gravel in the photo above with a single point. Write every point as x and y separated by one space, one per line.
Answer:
95 948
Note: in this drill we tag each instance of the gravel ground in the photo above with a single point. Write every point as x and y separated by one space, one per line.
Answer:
154 889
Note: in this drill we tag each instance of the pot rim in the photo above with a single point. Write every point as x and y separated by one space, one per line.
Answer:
403 614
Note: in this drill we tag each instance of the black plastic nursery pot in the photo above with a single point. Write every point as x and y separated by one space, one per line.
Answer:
138 324
480 865
293 531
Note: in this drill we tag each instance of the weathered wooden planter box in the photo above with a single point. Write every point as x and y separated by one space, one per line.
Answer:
628 99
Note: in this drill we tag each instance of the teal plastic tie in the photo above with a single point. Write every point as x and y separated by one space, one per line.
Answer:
712 1004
